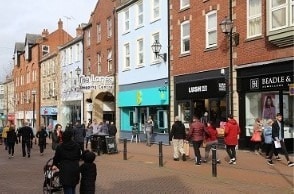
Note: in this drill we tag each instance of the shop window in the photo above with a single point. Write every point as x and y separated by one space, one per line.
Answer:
131 116
265 105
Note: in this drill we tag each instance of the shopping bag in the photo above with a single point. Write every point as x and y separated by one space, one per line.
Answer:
187 148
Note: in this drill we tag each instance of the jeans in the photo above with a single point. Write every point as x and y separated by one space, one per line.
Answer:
69 189
283 148
231 150
11 148
26 144
208 148
149 135
196 146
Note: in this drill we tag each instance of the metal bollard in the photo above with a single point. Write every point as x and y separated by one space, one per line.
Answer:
160 154
125 149
214 161
98 146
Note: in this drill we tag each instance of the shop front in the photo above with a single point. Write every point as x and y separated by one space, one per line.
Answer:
49 115
137 105
196 94
264 91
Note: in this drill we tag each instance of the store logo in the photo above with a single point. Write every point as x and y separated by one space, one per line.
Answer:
254 83
221 86
197 89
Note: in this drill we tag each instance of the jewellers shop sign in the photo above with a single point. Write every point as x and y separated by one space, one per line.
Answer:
270 82
93 82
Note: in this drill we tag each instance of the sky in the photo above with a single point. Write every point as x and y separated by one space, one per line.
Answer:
19 17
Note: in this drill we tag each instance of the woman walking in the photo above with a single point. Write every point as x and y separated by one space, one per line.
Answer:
11 140
56 136
42 135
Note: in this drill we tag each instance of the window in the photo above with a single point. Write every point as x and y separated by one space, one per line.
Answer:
127 56
140 52
99 32
253 18
155 37
77 52
185 37
278 14
53 66
88 37
184 4
292 12
139 14
99 62
53 89
27 52
28 77
109 27
64 58
45 50
211 29
127 21
109 60
155 12
131 116
89 66
265 105
70 55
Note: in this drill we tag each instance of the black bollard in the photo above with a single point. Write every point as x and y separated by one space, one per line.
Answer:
160 154
125 149
98 146
214 161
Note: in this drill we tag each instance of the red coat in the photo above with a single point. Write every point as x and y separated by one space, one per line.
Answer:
232 131
212 134
196 131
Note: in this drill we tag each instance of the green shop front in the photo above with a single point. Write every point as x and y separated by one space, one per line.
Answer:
137 103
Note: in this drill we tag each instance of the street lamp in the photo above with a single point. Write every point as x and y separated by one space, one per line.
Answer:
78 71
156 46
34 101
227 28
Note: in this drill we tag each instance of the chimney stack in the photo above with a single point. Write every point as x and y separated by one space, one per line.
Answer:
60 24
79 31
45 33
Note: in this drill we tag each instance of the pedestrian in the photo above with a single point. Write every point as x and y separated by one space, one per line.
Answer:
104 128
196 135
205 119
89 133
88 172
267 134
56 136
79 134
177 136
278 140
211 139
232 131
4 134
95 127
112 129
11 141
66 161
27 135
256 136
42 135
50 129
148 130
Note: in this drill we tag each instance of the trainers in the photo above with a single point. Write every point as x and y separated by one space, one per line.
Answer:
232 161
184 157
9 156
176 159
204 161
197 163
218 161
270 162
290 164
278 158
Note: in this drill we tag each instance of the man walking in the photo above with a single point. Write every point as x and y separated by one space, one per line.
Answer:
79 134
177 136
278 140
27 135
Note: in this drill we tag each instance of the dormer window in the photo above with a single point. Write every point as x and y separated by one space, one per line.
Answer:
45 50
27 52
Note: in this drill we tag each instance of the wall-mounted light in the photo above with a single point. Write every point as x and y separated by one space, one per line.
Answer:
156 46
78 71
227 28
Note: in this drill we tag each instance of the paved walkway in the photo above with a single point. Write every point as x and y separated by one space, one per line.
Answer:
141 173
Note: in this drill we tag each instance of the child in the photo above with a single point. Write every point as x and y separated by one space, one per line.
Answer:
88 172
11 140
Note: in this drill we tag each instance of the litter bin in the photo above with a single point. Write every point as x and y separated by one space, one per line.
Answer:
94 143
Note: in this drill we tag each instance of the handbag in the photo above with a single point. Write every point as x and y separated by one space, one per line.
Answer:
187 148
256 136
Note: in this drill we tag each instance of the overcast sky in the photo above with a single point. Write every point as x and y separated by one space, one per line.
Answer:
19 17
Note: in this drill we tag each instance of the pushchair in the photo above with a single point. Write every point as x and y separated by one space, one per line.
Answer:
51 179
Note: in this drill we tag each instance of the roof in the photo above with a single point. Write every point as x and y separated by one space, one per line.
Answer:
32 38
19 46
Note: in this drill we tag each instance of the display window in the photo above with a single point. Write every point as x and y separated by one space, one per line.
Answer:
265 105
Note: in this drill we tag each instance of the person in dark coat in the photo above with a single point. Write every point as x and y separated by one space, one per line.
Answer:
11 141
79 134
27 135
88 173
66 161
42 135
56 136
177 136
112 129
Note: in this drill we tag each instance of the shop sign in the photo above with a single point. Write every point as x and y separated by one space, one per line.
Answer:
196 89
48 111
291 89
270 82
222 87
93 82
